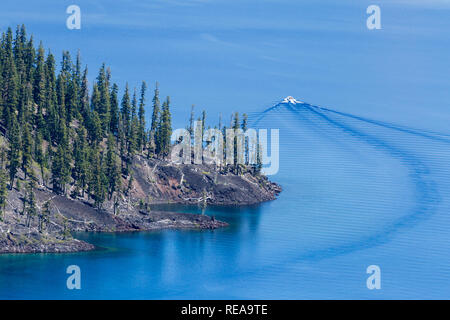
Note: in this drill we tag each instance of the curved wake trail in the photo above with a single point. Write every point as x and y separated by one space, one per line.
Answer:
426 193
408 155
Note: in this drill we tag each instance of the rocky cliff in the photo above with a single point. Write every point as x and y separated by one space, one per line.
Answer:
154 181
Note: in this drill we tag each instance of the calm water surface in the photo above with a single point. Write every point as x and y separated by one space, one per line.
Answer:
357 192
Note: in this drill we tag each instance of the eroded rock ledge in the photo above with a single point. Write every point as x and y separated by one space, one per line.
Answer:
155 181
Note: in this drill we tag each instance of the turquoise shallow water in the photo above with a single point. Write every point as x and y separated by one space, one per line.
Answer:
356 192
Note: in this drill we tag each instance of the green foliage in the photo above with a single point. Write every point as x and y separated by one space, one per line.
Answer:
3 192
61 162
111 168
80 155
164 130
78 134
14 151
44 216
27 148
30 208
142 141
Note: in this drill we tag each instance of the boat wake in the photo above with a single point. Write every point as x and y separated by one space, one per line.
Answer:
398 169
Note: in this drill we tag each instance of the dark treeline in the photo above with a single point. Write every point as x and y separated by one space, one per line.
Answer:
81 138
70 136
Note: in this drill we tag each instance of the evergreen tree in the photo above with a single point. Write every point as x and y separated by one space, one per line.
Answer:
114 123
40 80
203 122
84 97
30 202
141 114
61 163
191 122
244 124
112 171
44 216
94 128
51 98
103 104
125 114
155 121
14 151
10 81
236 128
45 112
98 183
29 59
20 42
76 89
27 149
164 131
80 154
134 128
39 154
61 98
3 192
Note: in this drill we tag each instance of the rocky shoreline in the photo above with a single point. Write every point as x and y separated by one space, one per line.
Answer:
22 240
155 182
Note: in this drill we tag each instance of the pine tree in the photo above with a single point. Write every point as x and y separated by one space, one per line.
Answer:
155 121
134 128
27 149
259 161
39 79
30 202
97 184
39 154
236 128
61 163
203 122
10 83
44 216
122 146
29 59
66 64
164 131
38 106
76 88
20 42
141 115
51 98
94 128
103 105
111 170
125 113
3 192
14 151
84 97
61 97
114 123
191 122
244 124
80 154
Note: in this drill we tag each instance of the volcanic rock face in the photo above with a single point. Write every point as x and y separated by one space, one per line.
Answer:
154 181
189 183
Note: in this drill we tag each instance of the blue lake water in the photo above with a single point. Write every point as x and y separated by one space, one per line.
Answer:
357 192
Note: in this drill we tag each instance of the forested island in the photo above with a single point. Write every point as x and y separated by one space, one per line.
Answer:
77 157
